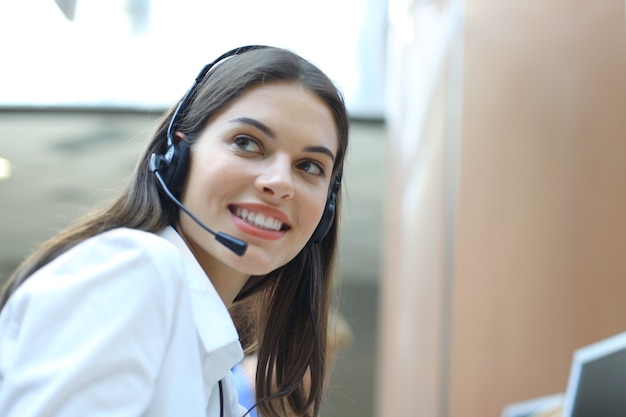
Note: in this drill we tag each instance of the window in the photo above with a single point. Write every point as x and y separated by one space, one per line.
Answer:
145 53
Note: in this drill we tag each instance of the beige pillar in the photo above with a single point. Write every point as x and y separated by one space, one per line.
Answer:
487 292
541 259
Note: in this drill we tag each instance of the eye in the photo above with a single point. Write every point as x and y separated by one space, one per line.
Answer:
312 168
246 144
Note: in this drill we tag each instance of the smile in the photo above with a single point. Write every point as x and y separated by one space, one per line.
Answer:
259 220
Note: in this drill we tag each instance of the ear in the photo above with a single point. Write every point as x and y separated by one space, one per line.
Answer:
178 136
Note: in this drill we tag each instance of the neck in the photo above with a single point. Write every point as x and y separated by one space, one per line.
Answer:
227 281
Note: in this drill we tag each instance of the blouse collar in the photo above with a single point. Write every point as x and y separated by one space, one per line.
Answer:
213 321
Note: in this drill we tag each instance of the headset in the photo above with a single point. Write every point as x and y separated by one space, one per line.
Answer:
172 166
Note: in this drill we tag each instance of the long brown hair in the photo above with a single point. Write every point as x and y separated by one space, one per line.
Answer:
292 302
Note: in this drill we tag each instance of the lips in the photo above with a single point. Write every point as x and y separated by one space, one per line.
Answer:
260 218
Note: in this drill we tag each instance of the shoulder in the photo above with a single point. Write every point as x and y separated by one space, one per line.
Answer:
138 261
125 243
106 311
126 240
128 274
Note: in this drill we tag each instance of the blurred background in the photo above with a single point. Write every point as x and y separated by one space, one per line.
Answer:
484 226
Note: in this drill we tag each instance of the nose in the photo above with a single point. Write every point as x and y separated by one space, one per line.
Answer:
276 179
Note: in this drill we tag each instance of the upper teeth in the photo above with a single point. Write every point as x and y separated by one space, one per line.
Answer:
258 219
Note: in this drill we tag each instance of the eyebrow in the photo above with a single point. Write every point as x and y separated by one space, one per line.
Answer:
321 149
253 122
269 132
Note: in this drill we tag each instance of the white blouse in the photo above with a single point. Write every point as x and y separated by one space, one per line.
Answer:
124 324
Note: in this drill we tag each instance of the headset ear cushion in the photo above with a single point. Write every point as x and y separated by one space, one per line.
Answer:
325 223
323 227
177 167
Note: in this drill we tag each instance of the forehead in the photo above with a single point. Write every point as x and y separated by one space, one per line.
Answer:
286 108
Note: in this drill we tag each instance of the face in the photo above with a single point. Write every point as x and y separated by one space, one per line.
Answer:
260 171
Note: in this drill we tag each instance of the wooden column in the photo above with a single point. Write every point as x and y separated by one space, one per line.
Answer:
541 259
489 288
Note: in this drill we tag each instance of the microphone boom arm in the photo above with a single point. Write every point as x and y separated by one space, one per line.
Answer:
236 245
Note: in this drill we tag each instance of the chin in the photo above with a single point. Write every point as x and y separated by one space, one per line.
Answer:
254 263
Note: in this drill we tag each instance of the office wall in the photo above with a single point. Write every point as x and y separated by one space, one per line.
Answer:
541 255
489 289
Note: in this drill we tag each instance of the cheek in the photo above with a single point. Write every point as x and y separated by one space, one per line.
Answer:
205 183
314 210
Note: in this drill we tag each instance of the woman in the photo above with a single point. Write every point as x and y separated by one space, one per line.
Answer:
126 313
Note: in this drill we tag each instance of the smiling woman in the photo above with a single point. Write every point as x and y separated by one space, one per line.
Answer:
269 138
132 301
